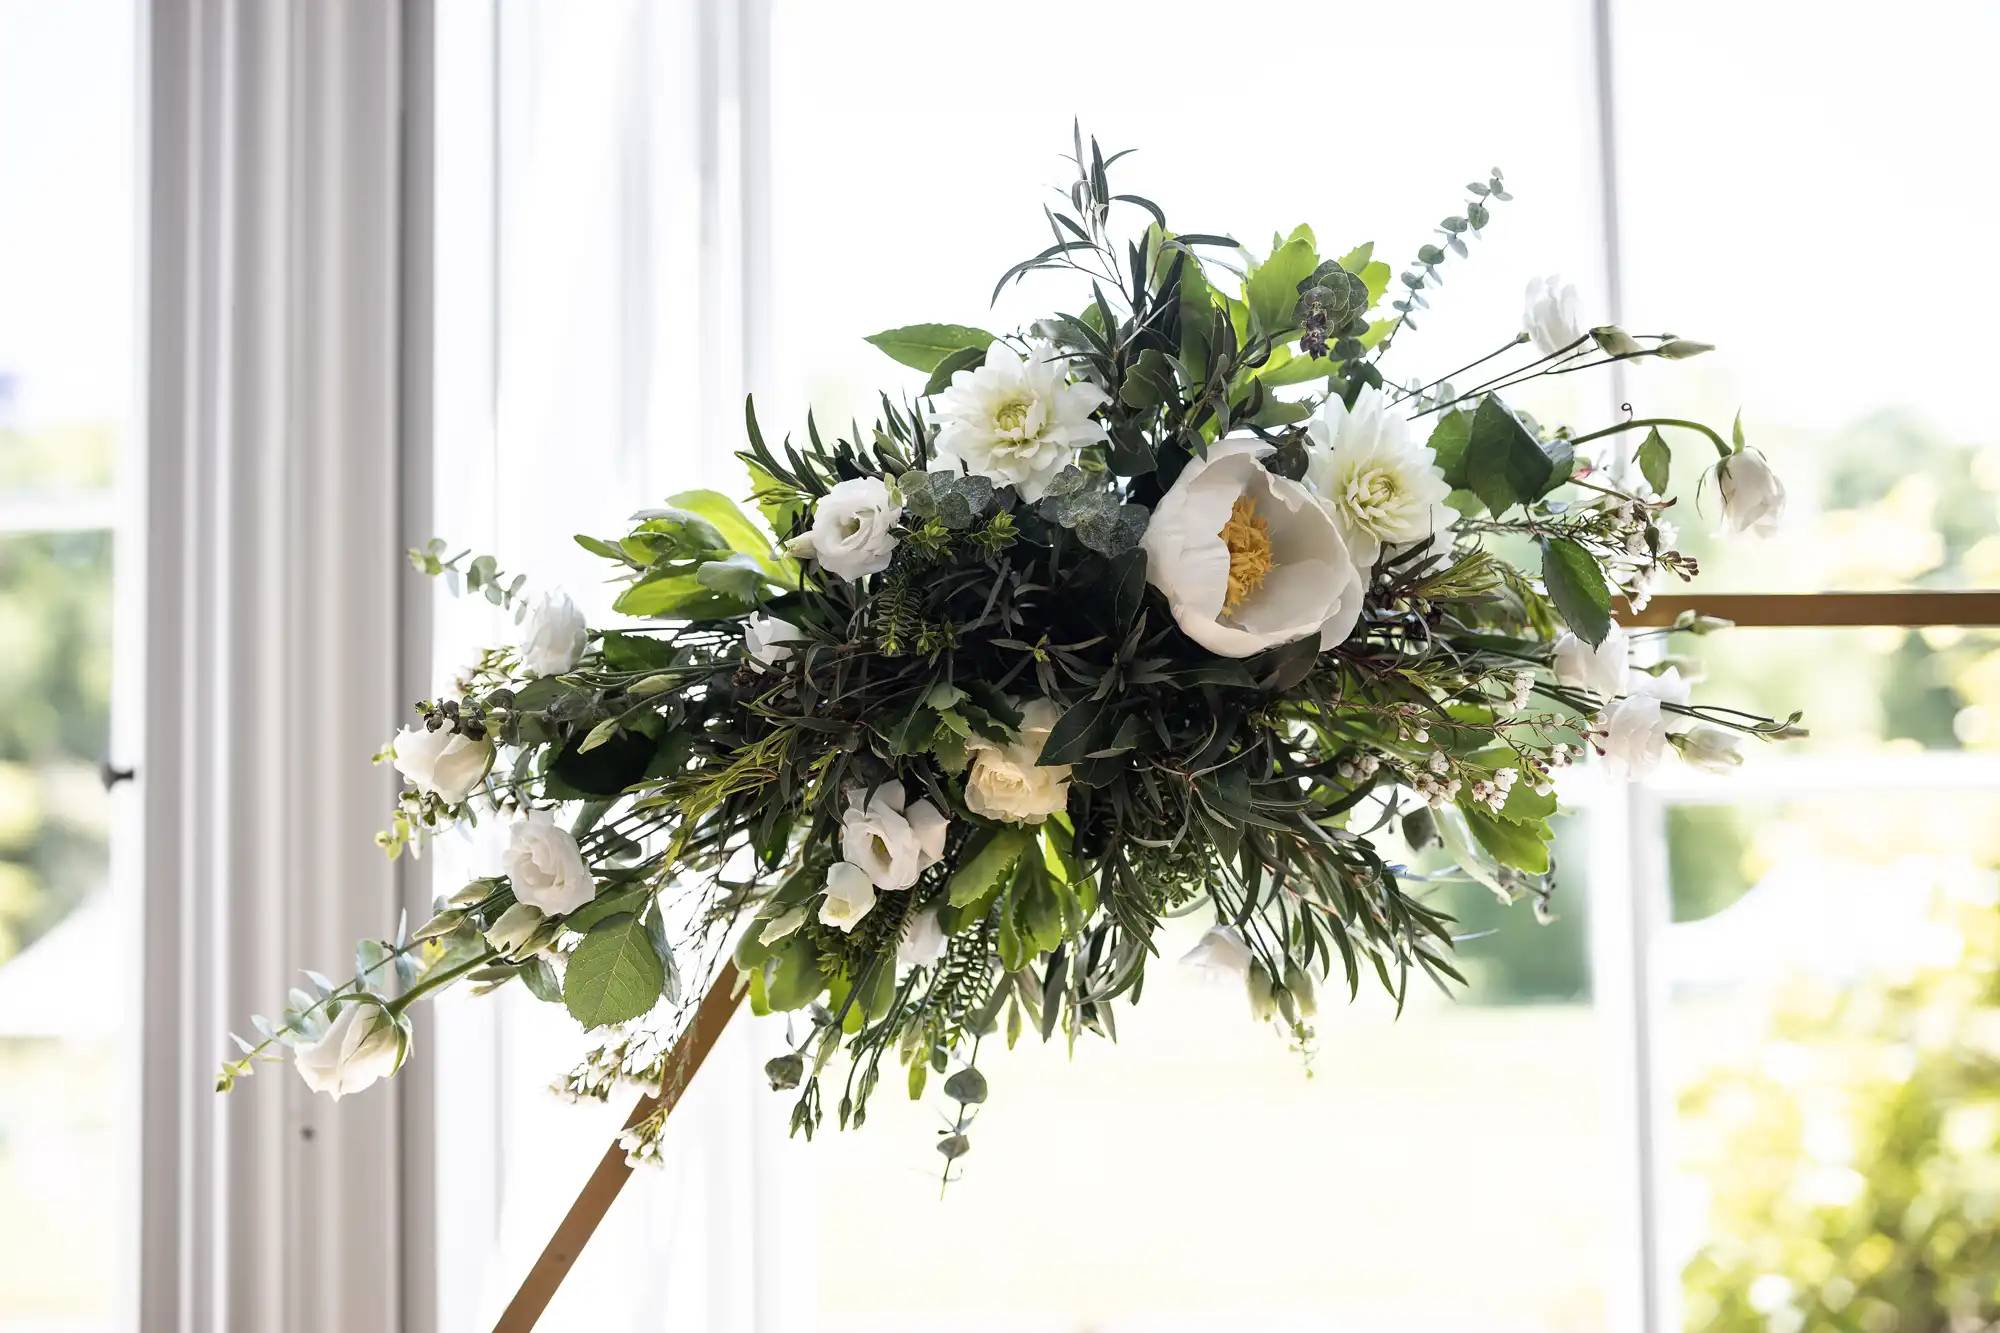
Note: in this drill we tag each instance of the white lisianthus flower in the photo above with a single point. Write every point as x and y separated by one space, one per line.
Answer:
1383 487
1549 314
441 763
853 529
850 895
923 942
1712 749
553 634
1605 670
1632 734
767 639
1249 560
1753 498
892 841
516 926
1633 731
1017 419
1220 955
1006 782
360 1046
545 866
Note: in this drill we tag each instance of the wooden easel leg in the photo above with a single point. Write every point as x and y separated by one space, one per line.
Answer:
577 1226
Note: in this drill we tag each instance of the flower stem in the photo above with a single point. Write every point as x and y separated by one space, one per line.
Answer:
444 978
1721 446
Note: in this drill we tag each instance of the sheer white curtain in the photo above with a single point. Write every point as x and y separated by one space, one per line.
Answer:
600 173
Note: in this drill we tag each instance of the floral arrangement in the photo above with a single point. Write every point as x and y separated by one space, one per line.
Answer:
1168 604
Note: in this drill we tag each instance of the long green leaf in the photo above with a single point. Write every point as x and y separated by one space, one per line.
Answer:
923 346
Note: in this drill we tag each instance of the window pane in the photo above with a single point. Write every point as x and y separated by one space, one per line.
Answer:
1833 1026
1769 209
61 1196
66 239
1862 690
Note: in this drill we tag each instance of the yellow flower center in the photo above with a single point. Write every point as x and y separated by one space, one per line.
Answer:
1012 416
1249 543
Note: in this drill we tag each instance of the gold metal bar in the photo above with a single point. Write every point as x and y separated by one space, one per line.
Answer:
1828 610
539 1287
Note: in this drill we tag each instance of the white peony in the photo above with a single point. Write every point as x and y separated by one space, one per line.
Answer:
1549 314
360 1046
1712 749
893 842
923 942
516 926
853 529
850 895
1249 560
553 634
442 762
1605 670
1753 498
1006 781
545 866
1017 419
1384 488
1220 955
768 640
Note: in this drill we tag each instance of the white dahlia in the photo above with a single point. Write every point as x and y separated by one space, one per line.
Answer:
1384 487
1017 420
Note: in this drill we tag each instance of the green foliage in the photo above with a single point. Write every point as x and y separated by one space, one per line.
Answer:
1899 1232
926 346
615 974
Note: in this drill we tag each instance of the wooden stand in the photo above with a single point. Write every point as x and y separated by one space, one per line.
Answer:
1826 610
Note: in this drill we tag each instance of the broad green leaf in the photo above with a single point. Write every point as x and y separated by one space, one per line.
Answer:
1361 262
978 875
598 546
1576 585
1070 739
736 575
1525 804
794 979
1504 463
739 532
923 346
965 358
1287 367
1272 288
1149 381
1466 852
780 508
678 597
615 974
1655 460
599 734
1523 846
1448 441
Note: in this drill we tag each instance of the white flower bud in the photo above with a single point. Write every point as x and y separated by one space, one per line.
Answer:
1753 498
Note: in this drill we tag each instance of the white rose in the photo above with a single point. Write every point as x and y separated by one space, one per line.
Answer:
1383 487
1712 749
1550 314
893 842
850 895
545 866
1006 782
516 926
553 634
361 1045
923 942
1220 955
766 639
1753 499
853 529
1249 560
442 762
1604 670
1016 419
